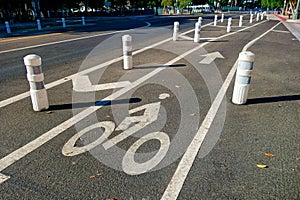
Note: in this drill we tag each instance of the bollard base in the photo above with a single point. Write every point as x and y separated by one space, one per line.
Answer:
240 93
39 99
127 62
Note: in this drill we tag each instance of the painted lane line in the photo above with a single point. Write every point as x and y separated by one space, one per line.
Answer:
36 143
31 146
3 178
280 31
68 78
29 37
58 42
68 40
259 37
178 179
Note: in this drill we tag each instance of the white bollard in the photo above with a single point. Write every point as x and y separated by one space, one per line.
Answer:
251 18
200 20
176 30
35 77
63 21
83 21
197 32
127 51
261 16
216 19
39 24
243 77
257 17
241 21
222 18
7 27
229 25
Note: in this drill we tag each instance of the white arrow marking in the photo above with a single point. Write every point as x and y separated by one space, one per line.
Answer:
210 57
83 84
3 178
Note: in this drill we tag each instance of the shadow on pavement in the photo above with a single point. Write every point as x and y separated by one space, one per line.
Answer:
97 103
154 67
273 99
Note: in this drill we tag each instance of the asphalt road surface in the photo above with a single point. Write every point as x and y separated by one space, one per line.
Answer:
165 129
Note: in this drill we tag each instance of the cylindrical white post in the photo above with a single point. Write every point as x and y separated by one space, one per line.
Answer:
261 16
83 21
127 51
197 32
241 21
63 22
200 20
175 31
222 18
229 25
243 77
35 77
215 20
7 27
251 18
39 24
257 17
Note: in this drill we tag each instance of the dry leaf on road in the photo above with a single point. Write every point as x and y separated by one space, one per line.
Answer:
262 166
269 155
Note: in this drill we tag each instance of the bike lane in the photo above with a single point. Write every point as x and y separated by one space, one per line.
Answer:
56 180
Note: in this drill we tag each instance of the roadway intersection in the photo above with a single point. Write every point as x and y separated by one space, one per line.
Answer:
170 133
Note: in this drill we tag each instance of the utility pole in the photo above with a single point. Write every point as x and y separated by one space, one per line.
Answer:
296 11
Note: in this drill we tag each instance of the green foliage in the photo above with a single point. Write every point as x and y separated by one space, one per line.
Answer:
167 2
184 3
271 3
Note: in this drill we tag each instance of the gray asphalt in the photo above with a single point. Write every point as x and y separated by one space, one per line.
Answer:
226 165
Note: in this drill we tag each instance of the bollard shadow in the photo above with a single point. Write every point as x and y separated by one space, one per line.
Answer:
89 104
273 99
160 66
213 41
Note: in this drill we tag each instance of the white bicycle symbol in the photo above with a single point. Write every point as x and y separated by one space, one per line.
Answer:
129 165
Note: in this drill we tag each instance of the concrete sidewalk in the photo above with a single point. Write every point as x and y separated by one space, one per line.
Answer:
292 25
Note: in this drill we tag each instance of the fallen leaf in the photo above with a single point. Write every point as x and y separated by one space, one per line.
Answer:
69 153
49 112
269 155
262 166
297 158
91 177
112 199
193 114
178 86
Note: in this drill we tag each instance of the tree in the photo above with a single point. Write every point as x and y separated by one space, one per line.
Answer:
167 3
271 3
184 3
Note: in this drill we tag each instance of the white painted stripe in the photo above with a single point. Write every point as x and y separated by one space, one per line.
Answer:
259 37
68 78
186 37
280 31
3 178
36 143
69 40
58 42
178 179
